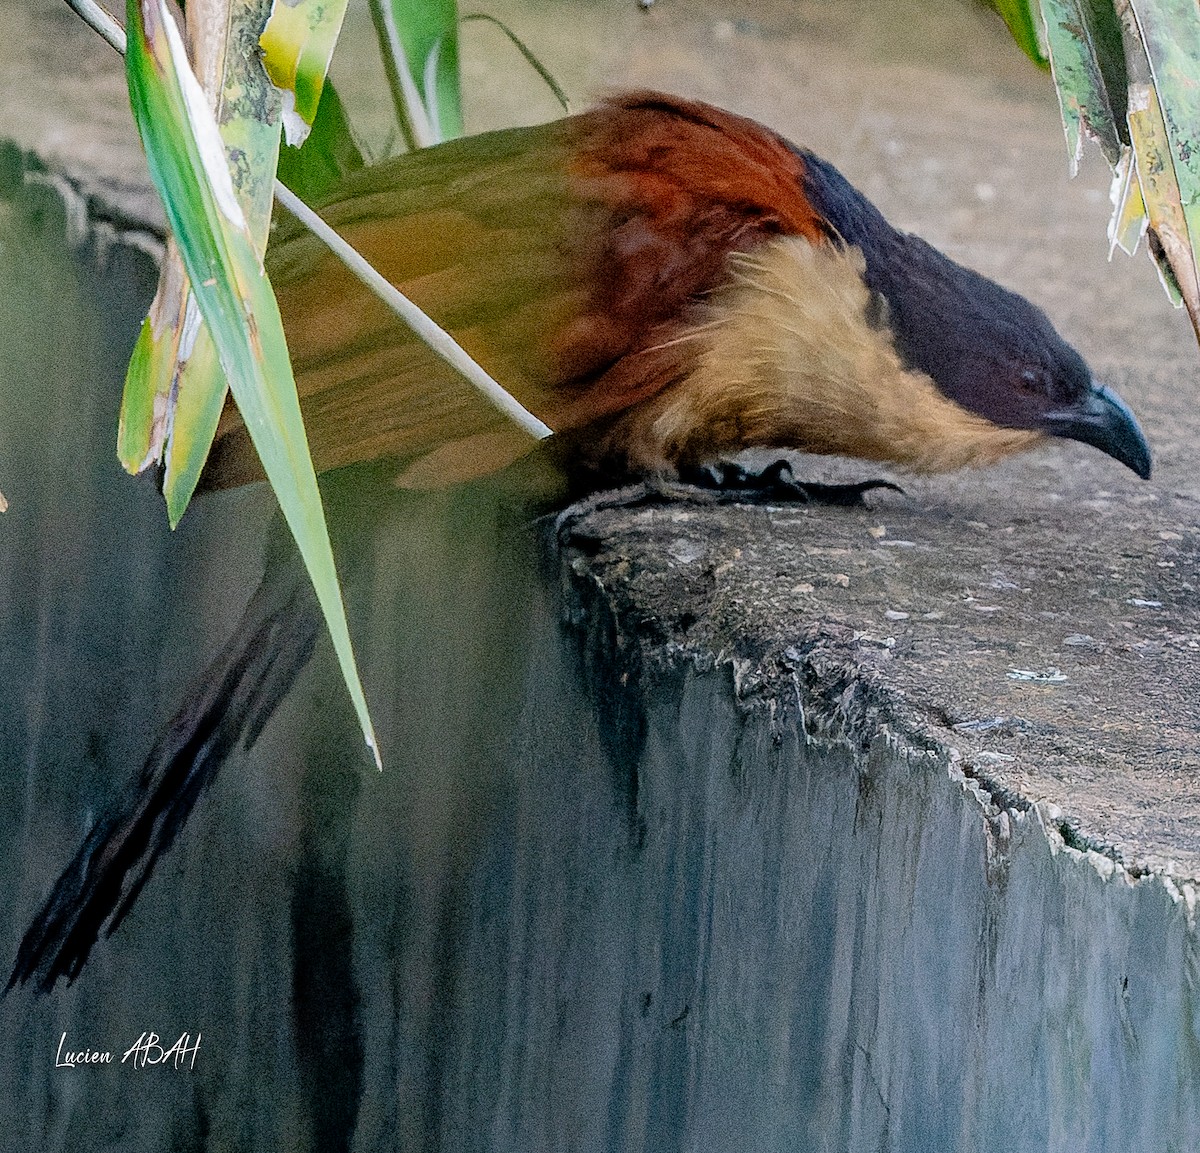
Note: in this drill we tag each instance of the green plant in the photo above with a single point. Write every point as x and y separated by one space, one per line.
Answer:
212 139
1128 77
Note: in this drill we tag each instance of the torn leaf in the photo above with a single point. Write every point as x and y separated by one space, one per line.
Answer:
297 45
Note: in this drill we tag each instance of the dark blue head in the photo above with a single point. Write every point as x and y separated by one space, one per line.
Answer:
986 348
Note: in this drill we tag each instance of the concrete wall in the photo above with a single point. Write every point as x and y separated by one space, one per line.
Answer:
613 891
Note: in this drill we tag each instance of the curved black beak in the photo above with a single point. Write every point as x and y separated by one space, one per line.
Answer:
1103 420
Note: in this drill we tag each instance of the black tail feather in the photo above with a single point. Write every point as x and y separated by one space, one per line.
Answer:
230 703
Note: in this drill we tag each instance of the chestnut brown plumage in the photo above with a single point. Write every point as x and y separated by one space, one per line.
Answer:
665 284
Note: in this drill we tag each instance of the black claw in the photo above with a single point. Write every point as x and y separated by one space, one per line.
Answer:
844 495
724 482
777 482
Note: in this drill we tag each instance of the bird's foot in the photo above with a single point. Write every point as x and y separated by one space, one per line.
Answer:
775 483
724 482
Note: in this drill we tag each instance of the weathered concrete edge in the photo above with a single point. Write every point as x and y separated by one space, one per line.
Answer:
837 700
871 898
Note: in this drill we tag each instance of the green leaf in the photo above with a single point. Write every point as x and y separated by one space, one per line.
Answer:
199 401
138 446
328 155
1021 16
1169 242
429 32
297 45
1166 105
249 117
187 163
418 40
142 429
174 390
249 120
1086 55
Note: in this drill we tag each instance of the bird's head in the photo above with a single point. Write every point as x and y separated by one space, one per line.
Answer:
989 350
997 355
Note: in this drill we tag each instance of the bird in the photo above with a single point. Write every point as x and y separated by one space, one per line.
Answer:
665 284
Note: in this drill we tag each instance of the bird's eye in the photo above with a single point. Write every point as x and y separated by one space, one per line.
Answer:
1031 381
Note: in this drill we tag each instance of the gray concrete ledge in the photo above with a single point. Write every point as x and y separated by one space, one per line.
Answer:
767 849
1049 646
924 957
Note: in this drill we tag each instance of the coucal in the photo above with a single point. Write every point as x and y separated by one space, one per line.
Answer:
662 282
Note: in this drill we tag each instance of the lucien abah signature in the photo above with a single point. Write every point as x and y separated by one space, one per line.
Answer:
148 1049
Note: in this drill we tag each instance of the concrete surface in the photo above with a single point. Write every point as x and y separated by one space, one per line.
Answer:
815 829
1061 560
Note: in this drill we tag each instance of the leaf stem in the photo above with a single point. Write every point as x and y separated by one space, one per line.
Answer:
530 58
428 330
100 21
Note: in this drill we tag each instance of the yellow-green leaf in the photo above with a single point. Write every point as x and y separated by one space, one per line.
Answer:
174 387
187 163
297 45
199 400
1163 50
149 380
1160 192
